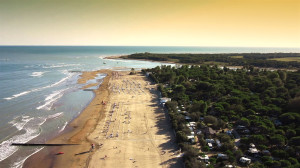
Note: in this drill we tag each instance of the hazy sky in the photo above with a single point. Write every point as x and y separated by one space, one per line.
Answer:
248 23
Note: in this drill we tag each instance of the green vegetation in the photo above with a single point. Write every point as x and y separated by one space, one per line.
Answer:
263 60
259 107
132 72
287 59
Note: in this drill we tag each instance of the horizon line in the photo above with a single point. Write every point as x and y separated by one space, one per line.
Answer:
138 46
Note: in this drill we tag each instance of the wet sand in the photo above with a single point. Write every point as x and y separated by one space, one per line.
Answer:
76 132
124 121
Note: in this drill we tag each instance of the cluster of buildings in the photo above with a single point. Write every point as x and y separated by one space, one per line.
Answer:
212 142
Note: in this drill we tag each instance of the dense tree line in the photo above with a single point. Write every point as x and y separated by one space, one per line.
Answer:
265 102
246 59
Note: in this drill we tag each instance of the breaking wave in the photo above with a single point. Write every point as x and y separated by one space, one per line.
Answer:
63 127
37 74
60 65
32 129
42 88
19 122
51 99
19 163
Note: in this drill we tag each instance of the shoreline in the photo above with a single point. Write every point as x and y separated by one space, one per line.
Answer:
77 130
120 57
145 141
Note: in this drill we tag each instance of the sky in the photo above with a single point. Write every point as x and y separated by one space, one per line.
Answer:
240 23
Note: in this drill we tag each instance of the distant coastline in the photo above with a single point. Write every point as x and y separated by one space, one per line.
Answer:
285 61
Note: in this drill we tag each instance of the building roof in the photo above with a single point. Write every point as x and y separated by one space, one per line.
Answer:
210 140
222 156
165 99
190 137
245 160
187 118
253 150
209 130
205 157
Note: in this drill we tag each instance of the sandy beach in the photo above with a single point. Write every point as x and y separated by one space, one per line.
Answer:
125 123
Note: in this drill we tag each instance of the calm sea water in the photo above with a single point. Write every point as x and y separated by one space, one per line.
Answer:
39 94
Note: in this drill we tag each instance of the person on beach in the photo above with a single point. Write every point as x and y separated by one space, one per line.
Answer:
92 147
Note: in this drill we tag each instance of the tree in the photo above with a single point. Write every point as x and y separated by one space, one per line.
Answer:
221 124
227 146
132 72
285 163
280 154
244 121
282 75
295 141
291 133
293 160
257 165
171 105
224 138
278 140
288 118
210 120
181 136
193 163
294 104
258 139
205 148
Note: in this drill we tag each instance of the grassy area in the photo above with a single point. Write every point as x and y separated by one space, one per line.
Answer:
174 60
287 59
237 56
215 63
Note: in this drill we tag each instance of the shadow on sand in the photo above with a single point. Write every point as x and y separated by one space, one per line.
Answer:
163 123
81 153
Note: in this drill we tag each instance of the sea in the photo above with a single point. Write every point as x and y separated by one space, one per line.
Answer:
39 93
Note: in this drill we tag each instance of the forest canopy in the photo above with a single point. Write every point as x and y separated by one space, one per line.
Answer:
264 60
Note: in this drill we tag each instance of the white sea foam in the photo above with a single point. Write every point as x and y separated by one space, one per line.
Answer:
57 83
17 95
55 115
7 150
51 99
60 65
38 74
19 122
69 75
19 163
63 127
32 130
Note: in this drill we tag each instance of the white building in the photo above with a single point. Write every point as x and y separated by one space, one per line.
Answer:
245 160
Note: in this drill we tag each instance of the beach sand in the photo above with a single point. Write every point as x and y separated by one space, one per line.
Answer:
135 131
124 121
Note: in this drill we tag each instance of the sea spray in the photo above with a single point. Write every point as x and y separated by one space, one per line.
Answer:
29 131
